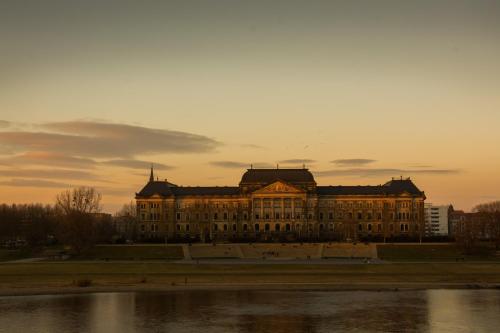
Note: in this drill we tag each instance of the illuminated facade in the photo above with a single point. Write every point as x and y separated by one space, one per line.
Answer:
280 205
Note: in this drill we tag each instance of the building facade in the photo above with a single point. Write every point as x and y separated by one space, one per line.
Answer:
436 220
280 205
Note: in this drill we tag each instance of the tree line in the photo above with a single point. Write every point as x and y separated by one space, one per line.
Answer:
75 220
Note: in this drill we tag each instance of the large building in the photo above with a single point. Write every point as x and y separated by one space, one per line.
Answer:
436 220
280 204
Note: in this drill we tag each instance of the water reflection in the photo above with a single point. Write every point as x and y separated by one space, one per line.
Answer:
255 311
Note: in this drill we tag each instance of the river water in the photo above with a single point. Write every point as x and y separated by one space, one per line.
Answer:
255 311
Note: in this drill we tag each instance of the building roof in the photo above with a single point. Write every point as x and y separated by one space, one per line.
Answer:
206 190
156 187
393 187
167 189
267 176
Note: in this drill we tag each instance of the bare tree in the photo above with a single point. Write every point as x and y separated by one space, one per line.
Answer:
126 221
82 199
489 207
128 209
79 210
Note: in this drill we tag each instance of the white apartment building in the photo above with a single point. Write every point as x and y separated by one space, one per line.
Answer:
436 220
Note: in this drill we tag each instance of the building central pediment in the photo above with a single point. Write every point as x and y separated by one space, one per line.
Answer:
279 187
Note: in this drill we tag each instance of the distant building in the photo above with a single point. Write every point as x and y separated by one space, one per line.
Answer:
436 220
481 225
280 204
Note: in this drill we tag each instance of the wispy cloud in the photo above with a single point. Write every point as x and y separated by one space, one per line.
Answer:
252 146
229 164
353 162
105 140
137 164
48 159
239 165
49 174
34 183
298 161
362 172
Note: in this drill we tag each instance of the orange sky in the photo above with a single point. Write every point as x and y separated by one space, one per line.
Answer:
90 94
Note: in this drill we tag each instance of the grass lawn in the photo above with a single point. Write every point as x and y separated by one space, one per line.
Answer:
8 255
63 274
132 252
428 252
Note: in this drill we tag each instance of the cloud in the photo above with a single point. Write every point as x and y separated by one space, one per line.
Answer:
298 161
239 165
252 146
49 174
136 164
4 123
105 140
353 161
33 183
49 159
230 164
383 172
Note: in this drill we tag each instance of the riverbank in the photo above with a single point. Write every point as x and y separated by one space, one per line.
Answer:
88 277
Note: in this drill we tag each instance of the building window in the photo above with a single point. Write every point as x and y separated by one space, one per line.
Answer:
225 227
310 217
369 227
216 216
330 216
321 227
277 227
266 227
225 216
245 227
379 227
287 227
267 216
256 216
360 216
360 227
277 216
321 216
234 227
178 216
178 227
256 227
187 227
215 227
143 227
245 216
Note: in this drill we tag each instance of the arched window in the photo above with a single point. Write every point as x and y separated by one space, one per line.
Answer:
256 227
360 216
360 227
277 227
245 227
266 227
287 227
